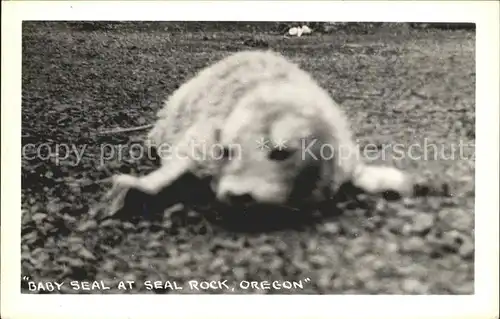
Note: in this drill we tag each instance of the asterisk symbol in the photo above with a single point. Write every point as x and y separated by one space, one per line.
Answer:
262 144
281 144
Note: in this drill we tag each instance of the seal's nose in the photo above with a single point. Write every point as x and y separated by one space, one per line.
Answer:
238 199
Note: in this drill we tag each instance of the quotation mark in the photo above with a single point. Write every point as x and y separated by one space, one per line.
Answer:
26 278
307 279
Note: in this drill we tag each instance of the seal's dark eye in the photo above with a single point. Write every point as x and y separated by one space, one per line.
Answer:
280 154
226 153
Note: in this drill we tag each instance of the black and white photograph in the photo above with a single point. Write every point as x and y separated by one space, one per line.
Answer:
228 157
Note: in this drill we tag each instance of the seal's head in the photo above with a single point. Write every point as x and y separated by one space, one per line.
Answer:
271 153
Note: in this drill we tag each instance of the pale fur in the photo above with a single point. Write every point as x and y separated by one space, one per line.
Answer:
236 102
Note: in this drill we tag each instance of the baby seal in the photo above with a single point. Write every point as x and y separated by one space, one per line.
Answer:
263 131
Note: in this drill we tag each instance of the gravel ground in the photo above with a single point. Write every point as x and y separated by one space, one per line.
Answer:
398 85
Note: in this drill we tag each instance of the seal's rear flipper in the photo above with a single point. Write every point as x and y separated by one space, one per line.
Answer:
390 181
394 183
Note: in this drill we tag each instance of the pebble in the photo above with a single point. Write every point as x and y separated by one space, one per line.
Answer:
318 260
453 240
365 275
85 253
423 222
331 228
266 249
467 250
109 223
109 266
68 218
72 262
53 208
180 260
414 286
434 204
457 219
276 263
414 244
74 241
144 225
85 226
218 265
154 244
312 245
38 217
360 246
325 279
407 212
395 225
380 206
409 203
239 272
392 247
30 238
128 226
406 230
